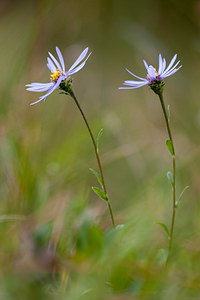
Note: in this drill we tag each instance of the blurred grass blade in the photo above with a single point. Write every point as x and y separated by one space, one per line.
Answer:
181 195
170 147
170 177
100 193
98 137
164 227
97 176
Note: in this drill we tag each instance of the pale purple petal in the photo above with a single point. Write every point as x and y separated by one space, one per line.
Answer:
61 58
171 63
52 88
38 87
163 66
44 89
51 65
56 62
79 59
172 72
55 86
132 82
36 101
151 72
146 65
79 67
135 75
37 84
160 64
76 69
169 70
132 87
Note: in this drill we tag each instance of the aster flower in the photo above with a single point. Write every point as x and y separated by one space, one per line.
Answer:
154 77
155 80
58 73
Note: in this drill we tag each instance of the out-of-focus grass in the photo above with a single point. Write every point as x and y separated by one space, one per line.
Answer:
55 234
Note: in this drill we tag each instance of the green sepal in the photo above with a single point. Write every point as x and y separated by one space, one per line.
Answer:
170 147
181 195
100 193
64 93
170 177
164 227
98 137
157 86
97 176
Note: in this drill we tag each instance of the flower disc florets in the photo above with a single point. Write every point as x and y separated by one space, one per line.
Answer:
54 76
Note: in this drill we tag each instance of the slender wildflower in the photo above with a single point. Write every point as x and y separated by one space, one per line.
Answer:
60 78
155 80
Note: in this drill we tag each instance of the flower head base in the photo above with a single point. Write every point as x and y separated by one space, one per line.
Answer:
58 73
154 78
157 86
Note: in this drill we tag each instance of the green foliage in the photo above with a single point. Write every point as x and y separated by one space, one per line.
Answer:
89 240
98 138
100 193
42 235
97 176
164 227
170 147
170 177
181 195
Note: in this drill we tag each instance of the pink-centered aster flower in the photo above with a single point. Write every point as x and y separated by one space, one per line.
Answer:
58 73
153 76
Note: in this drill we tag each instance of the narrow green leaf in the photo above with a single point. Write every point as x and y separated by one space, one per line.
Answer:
100 193
98 137
164 227
170 147
170 177
168 110
181 195
97 176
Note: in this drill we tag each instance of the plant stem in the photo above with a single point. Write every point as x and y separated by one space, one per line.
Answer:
96 152
174 176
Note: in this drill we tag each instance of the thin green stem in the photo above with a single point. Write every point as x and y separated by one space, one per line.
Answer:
174 176
96 153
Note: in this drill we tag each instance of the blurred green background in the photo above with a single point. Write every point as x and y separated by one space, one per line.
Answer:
56 238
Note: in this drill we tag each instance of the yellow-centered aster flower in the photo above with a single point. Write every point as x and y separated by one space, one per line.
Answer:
58 73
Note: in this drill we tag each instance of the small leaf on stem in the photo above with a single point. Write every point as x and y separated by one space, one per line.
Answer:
97 176
170 177
164 227
181 195
98 137
170 147
100 193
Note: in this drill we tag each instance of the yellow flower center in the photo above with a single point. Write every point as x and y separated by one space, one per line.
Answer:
156 72
54 76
